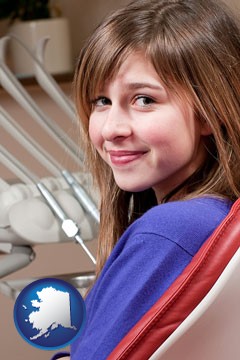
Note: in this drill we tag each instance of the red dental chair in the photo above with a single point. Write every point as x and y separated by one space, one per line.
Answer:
198 317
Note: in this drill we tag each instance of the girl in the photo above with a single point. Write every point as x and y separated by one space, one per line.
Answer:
157 89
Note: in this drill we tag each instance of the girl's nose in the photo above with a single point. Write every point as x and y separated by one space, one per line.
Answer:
117 124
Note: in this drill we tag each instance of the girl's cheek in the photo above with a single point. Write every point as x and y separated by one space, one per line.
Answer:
94 133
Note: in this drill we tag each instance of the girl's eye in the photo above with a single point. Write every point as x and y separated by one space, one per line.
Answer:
144 101
101 101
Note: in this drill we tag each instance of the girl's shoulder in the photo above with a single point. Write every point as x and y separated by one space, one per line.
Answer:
188 210
187 223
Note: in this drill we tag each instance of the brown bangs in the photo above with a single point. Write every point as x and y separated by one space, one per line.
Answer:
98 63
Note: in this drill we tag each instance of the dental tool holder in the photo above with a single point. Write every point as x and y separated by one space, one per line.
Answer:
30 219
51 210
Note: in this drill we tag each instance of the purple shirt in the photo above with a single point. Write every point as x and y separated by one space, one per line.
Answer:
146 260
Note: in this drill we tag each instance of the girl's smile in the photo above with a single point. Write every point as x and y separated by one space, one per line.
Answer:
147 135
123 157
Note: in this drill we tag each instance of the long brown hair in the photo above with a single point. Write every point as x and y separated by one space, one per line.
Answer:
195 48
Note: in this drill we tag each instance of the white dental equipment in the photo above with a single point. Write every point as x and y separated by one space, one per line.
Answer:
70 228
19 197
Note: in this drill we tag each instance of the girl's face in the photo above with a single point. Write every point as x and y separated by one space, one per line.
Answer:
147 135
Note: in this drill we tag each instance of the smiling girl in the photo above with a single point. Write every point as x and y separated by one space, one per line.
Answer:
157 89
146 134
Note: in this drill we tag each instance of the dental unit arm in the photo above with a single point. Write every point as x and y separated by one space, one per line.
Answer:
61 201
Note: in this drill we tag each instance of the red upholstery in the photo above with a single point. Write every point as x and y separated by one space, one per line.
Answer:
184 294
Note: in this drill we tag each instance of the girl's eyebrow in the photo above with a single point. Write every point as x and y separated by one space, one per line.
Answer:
140 85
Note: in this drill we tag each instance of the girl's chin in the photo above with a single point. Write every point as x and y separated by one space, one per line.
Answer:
134 189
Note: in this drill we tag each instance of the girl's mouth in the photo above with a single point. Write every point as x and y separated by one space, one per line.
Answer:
122 157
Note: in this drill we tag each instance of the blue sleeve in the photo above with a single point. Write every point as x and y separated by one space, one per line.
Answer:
132 283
